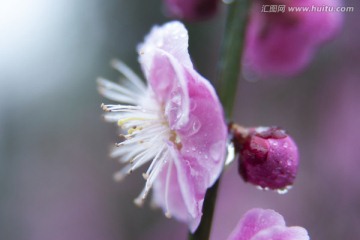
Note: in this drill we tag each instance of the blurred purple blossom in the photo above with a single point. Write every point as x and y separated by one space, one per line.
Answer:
191 10
284 43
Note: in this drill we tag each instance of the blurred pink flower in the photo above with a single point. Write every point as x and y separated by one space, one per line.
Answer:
283 43
176 123
191 9
261 224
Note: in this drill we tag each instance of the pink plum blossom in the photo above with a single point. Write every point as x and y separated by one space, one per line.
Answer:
261 224
283 43
175 123
191 9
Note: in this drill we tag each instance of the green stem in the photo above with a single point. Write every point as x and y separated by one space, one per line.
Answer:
232 51
229 72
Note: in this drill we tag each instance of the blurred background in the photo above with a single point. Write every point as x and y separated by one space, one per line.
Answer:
55 174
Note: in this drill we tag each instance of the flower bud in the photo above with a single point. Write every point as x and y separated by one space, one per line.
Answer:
191 10
268 158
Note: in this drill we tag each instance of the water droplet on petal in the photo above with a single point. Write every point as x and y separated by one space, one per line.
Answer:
196 125
216 150
192 127
193 105
176 97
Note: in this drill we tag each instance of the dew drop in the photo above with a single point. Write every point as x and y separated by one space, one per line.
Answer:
284 190
193 106
176 98
196 125
216 150
262 188
192 127
230 157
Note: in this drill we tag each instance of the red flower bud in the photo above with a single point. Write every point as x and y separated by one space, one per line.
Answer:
268 158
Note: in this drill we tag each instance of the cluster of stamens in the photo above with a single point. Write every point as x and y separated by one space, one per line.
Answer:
145 130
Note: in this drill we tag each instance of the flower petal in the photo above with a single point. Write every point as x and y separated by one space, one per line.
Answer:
195 116
170 199
163 56
200 159
204 136
168 81
261 224
254 221
172 38
282 233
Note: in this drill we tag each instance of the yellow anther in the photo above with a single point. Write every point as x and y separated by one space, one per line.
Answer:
134 129
131 130
121 122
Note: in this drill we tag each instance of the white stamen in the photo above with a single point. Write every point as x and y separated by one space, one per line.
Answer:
152 176
129 74
141 159
154 161
117 97
118 176
106 85
144 128
139 201
167 186
120 108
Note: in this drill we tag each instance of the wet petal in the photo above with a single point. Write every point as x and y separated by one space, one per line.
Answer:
171 38
171 199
